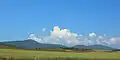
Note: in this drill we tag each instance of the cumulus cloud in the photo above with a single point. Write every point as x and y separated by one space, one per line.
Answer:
58 36
68 38
63 35
92 34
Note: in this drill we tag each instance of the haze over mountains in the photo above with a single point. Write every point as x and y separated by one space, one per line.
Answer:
31 44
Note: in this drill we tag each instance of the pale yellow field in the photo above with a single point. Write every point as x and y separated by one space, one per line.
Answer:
16 53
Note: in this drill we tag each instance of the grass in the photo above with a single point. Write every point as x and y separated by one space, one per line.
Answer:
15 54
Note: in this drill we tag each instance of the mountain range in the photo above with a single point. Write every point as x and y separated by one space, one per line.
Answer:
31 44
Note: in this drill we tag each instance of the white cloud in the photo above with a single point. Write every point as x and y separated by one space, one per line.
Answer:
66 37
100 37
63 33
36 38
57 36
114 40
92 34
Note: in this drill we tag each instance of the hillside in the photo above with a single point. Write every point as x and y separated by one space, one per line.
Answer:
31 44
101 47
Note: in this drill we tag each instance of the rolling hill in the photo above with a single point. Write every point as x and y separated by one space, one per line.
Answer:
99 47
31 44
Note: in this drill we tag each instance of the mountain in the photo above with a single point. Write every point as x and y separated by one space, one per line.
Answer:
31 44
101 47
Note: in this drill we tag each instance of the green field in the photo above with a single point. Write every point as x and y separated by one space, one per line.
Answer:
15 54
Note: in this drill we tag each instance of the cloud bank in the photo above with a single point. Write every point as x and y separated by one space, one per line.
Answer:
68 38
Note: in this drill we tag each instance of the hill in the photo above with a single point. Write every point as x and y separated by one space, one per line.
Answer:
101 47
31 44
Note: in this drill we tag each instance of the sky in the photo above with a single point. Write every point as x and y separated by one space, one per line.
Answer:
18 18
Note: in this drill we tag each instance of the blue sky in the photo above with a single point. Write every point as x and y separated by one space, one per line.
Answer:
19 17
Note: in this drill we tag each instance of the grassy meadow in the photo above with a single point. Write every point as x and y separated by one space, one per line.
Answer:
19 54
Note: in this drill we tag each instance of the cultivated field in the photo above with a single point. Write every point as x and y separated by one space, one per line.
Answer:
18 54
